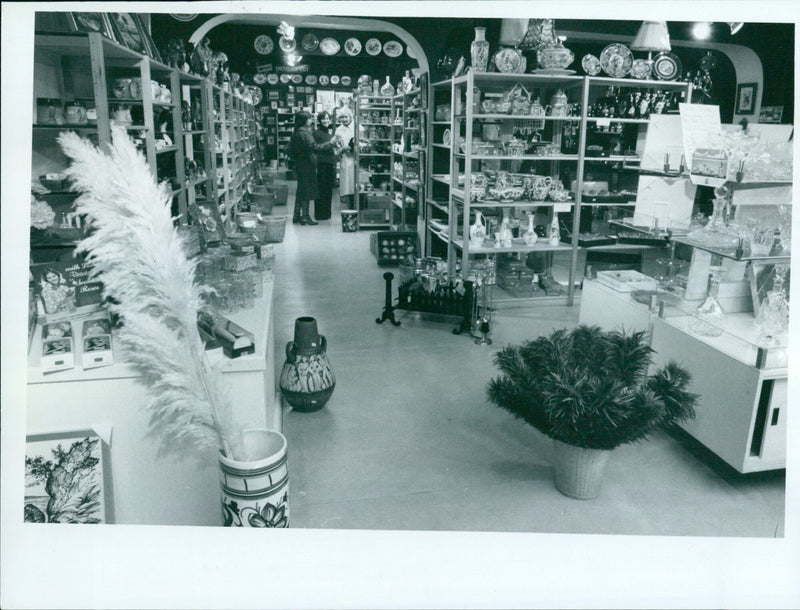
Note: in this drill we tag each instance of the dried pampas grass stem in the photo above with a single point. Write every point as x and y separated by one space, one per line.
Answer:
137 253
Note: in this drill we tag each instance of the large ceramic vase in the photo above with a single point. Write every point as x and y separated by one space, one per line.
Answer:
255 493
579 471
307 380
479 50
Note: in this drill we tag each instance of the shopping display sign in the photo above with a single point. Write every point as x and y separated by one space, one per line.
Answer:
701 128
65 287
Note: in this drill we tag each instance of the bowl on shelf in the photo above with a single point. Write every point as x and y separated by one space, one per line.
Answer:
54 182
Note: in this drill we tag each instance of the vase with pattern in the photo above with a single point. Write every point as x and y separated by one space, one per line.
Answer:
307 380
479 50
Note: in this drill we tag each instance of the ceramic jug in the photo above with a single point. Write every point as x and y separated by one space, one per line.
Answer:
477 232
307 380
75 114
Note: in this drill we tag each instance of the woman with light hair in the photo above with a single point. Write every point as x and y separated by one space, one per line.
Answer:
344 136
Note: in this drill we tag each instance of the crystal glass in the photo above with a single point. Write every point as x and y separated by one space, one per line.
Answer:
670 287
709 317
772 321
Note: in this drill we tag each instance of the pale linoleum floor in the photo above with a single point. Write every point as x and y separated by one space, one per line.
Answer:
408 440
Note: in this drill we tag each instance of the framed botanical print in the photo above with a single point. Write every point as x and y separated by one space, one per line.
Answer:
746 98
129 32
91 22
65 478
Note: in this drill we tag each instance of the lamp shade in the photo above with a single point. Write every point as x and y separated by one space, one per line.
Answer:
652 36
735 26
512 31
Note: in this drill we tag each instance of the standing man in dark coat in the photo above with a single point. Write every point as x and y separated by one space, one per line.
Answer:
304 151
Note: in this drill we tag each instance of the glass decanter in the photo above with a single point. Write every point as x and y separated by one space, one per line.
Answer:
709 317
772 321
716 233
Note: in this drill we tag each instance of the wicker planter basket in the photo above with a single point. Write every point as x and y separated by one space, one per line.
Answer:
281 194
262 199
579 471
275 227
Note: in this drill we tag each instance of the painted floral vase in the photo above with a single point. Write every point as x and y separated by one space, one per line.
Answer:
479 50
307 380
255 493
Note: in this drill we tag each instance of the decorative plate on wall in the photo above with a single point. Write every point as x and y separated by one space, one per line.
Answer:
260 79
311 79
346 81
286 45
352 46
329 46
591 65
324 80
334 80
297 78
641 69
272 79
373 46
263 44
392 48
667 66
508 60
309 43
616 60
285 78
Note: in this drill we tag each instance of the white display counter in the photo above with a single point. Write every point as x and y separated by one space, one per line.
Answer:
143 486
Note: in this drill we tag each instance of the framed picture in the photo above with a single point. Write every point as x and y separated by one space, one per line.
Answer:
65 478
129 32
746 98
152 49
206 214
762 280
770 114
91 22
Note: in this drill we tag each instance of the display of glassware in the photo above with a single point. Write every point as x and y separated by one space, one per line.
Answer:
772 320
709 317
633 103
716 233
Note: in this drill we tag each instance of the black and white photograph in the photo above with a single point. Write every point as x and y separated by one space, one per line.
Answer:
487 337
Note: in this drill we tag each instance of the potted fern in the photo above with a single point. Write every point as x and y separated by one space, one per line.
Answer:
137 253
589 390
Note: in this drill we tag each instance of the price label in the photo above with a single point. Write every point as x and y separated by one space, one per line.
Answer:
604 122
562 207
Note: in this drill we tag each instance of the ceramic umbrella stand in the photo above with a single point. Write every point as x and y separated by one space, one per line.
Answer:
256 493
307 380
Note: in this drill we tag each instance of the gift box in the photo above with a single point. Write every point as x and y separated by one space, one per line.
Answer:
58 348
96 347
239 261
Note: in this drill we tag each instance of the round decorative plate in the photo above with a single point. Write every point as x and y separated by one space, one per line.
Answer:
297 78
392 48
667 66
641 69
373 46
324 80
591 65
334 80
311 79
309 43
260 78
352 46
257 95
616 60
286 45
272 79
285 78
508 60
446 137
329 46
346 81
263 44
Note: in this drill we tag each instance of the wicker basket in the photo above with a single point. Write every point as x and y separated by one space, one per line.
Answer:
261 199
281 194
579 471
275 227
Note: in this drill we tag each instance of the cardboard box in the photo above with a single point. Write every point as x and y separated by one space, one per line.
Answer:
235 340
96 346
58 347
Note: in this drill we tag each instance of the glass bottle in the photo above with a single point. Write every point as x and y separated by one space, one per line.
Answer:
387 90
772 321
709 317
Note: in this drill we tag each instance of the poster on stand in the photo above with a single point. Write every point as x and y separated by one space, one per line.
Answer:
327 97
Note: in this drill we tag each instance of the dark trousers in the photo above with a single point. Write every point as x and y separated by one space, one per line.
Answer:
326 178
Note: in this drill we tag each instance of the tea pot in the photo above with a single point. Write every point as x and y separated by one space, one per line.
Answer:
477 232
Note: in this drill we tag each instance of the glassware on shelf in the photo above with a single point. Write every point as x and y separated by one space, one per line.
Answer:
716 233
709 317
670 287
772 321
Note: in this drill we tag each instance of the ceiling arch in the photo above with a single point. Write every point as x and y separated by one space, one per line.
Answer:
314 21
